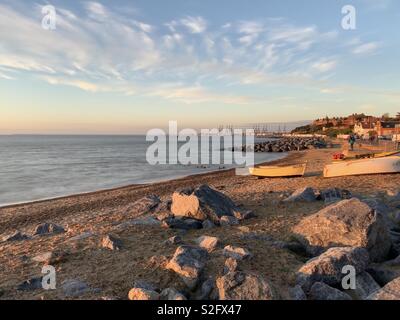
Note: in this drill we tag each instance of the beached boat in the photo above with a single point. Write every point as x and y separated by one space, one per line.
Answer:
366 156
274 171
390 164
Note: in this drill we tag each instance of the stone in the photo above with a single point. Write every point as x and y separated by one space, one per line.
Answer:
244 215
227 221
48 229
111 242
16 236
74 288
305 194
391 291
208 243
171 294
50 257
183 224
236 253
230 265
321 291
383 274
365 286
173 240
143 294
334 194
144 205
188 262
346 223
297 293
244 286
144 221
202 203
31 284
208 224
163 210
206 289
328 266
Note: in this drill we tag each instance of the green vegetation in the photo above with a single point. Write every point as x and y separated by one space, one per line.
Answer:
329 131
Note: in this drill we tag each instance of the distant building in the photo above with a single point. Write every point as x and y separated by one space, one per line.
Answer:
387 128
363 129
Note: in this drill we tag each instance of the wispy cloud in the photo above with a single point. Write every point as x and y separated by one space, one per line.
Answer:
366 48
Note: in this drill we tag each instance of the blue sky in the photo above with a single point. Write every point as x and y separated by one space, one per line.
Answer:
127 66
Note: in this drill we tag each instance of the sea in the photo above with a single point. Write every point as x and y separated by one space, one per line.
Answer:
37 167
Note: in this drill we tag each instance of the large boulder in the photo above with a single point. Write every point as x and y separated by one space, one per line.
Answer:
328 267
389 292
365 286
202 203
244 286
188 263
321 291
347 223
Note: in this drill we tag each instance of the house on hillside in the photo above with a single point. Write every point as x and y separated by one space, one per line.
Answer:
363 129
387 128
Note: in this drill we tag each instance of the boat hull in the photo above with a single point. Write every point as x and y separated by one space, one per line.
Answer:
389 164
273 172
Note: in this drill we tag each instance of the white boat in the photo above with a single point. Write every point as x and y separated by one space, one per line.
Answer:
364 166
296 170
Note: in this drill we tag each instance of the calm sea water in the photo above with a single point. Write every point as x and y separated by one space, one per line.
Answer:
41 167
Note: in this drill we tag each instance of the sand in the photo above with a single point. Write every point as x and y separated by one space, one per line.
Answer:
113 273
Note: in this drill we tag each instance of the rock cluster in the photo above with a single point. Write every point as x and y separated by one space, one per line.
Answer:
288 144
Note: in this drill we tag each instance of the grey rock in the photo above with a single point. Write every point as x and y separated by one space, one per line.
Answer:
144 205
171 294
111 242
347 223
74 288
236 253
244 286
391 291
31 284
48 229
208 224
231 265
208 243
321 291
188 262
174 240
227 221
365 286
297 293
383 274
16 236
202 203
334 194
306 194
184 224
206 289
328 266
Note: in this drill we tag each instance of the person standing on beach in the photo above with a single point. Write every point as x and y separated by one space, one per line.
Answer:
352 140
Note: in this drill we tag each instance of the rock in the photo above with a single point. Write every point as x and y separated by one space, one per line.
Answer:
111 242
50 257
226 221
347 223
207 242
231 265
304 194
328 266
383 274
206 289
143 294
82 236
236 253
163 211
74 288
243 286
31 284
334 194
365 286
396 218
208 224
321 291
244 215
171 294
48 229
16 236
144 205
391 291
144 221
184 224
297 293
188 263
202 203
174 240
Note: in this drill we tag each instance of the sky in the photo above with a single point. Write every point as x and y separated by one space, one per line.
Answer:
119 67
